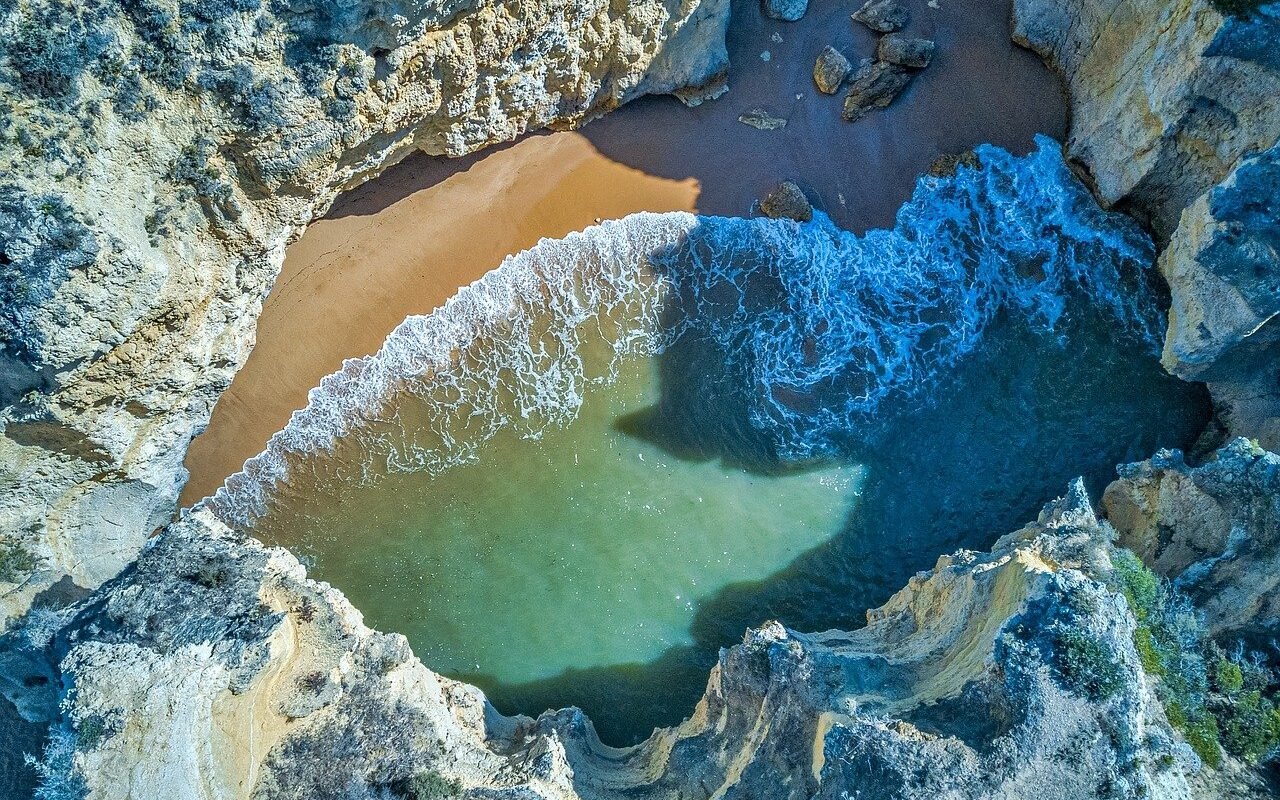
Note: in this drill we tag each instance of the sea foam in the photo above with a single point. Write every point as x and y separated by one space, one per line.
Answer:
824 325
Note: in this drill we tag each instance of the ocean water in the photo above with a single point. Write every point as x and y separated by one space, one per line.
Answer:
605 460
17 738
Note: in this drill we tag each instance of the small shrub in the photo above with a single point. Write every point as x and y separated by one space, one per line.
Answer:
56 769
313 682
54 45
1228 678
429 785
16 561
1216 701
1087 664
41 244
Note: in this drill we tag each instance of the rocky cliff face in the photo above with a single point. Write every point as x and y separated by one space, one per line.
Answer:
157 157
1176 115
214 668
1214 529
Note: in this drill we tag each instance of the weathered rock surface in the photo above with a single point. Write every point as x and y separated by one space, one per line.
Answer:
158 156
1176 114
785 10
787 202
1224 261
883 16
875 85
214 668
1214 529
1166 97
905 51
830 70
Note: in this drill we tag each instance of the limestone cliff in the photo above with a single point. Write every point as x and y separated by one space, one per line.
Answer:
1214 529
1176 115
157 156
214 668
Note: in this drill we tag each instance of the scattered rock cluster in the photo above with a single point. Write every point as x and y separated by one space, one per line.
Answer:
876 82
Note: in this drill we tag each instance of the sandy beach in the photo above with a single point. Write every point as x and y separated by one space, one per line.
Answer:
359 272
405 242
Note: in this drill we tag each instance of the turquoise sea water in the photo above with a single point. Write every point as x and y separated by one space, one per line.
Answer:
595 468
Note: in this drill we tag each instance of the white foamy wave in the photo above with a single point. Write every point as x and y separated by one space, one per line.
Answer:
827 325
505 351
822 326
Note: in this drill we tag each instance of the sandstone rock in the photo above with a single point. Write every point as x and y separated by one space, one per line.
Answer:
153 175
787 202
1224 261
786 10
1165 97
883 16
830 70
905 51
875 85
215 668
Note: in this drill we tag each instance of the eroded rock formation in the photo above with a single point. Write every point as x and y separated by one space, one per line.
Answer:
1214 529
158 156
1176 115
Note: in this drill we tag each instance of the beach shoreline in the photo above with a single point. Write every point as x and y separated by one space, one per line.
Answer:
351 278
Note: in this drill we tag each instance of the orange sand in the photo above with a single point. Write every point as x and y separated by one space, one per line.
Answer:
351 279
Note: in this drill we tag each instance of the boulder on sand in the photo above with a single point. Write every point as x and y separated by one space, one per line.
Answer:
874 85
830 70
905 51
787 202
883 16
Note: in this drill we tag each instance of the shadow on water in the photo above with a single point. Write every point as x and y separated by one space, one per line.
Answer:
1007 430
17 738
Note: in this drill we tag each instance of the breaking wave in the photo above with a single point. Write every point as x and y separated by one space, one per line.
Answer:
824 325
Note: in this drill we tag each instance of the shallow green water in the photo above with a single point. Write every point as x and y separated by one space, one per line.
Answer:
585 548
593 567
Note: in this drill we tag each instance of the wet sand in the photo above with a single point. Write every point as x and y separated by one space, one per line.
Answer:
980 88
405 242
358 273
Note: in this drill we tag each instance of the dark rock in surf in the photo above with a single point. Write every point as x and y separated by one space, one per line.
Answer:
905 51
945 165
830 70
785 10
883 16
875 85
787 202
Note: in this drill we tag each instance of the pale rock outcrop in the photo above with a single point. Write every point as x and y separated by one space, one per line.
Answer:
1213 529
1224 261
214 668
1176 115
157 156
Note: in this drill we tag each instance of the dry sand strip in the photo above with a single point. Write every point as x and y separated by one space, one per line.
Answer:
354 276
